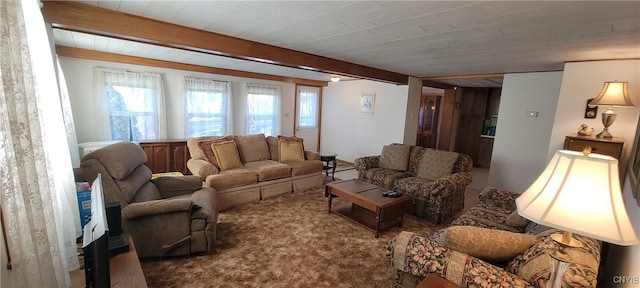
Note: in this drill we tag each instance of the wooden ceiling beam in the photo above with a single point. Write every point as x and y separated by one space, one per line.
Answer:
119 58
80 17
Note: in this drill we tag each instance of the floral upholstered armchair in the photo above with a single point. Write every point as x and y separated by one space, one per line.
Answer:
488 246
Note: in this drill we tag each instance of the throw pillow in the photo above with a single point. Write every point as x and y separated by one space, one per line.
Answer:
490 245
395 157
205 146
514 219
227 155
436 164
290 151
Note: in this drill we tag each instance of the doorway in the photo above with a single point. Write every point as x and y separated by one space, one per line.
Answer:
307 122
428 121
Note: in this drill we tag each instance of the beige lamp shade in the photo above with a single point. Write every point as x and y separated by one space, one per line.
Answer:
613 94
581 194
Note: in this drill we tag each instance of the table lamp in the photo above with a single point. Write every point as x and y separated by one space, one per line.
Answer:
578 192
613 93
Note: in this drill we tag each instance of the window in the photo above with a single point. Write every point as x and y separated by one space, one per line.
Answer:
132 105
308 107
208 107
263 109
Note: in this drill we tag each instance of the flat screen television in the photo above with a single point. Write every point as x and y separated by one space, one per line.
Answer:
95 242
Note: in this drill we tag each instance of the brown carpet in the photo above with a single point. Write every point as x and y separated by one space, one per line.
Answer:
288 241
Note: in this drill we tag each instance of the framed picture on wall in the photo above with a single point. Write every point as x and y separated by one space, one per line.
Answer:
590 111
634 166
367 103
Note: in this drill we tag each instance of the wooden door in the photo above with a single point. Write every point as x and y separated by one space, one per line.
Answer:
472 109
428 121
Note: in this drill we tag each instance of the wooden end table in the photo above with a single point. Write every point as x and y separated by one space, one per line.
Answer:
330 163
367 205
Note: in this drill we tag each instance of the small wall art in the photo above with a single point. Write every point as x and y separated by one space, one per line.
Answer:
590 111
367 103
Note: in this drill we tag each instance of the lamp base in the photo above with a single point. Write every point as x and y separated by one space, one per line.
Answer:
604 134
608 117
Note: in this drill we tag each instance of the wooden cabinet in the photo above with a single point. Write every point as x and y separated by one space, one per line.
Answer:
613 147
472 109
485 152
166 155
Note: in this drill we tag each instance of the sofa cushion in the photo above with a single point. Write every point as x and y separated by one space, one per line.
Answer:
205 150
305 167
290 151
486 217
269 169
252 147
232 178
383 177
272 142
227 155
487 244
436 164
395 157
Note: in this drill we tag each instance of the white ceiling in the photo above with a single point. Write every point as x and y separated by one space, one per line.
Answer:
415 38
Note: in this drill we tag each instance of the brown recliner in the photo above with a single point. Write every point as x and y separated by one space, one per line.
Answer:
166 216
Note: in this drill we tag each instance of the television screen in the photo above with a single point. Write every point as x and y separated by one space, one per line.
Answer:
95 244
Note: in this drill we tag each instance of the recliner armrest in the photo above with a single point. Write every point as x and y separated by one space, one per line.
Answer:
135 210
170 186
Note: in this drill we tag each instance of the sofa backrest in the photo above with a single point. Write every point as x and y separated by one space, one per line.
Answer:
252 147
463 164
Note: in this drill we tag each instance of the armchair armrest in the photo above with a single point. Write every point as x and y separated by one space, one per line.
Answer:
497 197
418 256
175 186
367 162
201 168
155 207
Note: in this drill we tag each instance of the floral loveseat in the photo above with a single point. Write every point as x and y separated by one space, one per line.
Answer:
249 168
490 246
434 179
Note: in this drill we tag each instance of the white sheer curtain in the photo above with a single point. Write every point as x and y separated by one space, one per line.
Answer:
67 115
208 107
262 109
130 105
36 179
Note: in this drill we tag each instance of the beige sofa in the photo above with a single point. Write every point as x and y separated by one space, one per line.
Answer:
263 171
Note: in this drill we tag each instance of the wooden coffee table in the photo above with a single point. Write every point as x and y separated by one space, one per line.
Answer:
367 205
